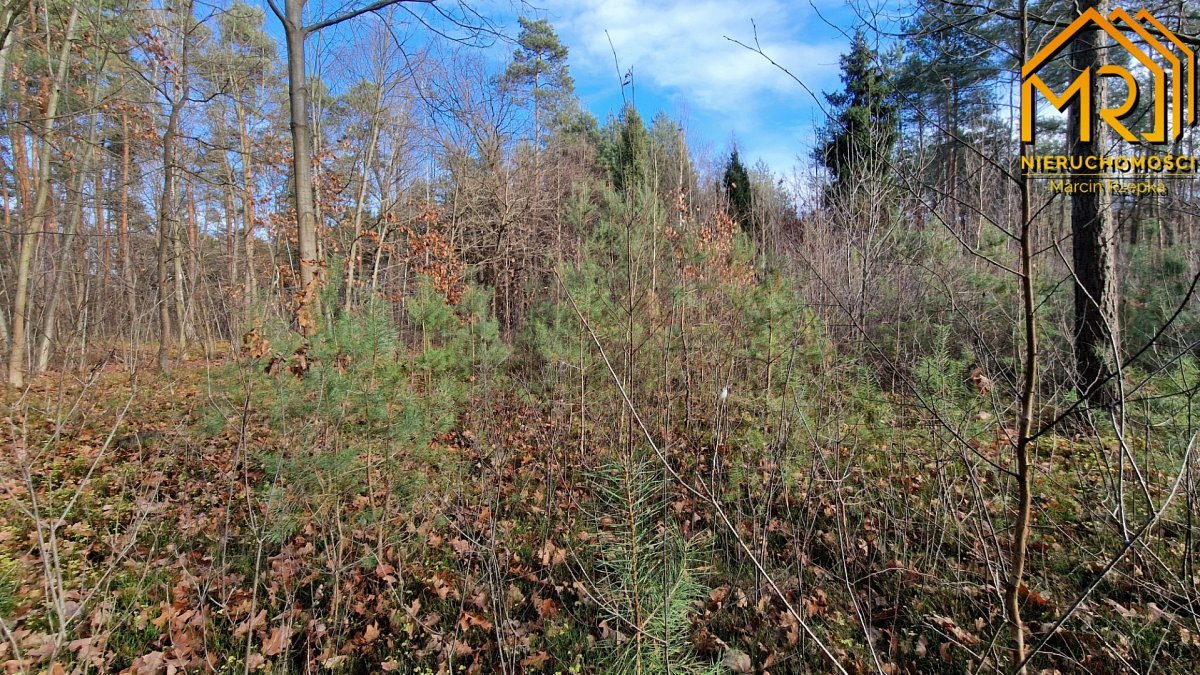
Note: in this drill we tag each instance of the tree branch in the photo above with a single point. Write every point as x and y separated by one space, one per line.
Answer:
346 16
1060 23
1115 560
278 12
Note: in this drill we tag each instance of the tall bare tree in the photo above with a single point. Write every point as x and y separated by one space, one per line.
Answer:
1093 232
295 33
29 236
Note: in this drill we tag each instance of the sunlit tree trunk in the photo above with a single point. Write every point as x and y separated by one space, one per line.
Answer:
306 222
292 17
248 214
68 243
29 236
166 207
352 262
103 241
59 280
179 279
231 231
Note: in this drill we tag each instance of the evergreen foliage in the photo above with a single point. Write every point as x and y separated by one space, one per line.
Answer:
738 192
864 120
650 578
946 75
626 149
540 62
737 404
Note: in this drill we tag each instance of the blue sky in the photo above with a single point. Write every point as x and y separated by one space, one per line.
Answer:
683 64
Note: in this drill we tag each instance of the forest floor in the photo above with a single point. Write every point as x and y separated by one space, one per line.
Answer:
177 525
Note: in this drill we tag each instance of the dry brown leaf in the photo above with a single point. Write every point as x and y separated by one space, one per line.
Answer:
737 661
469 619
280 636
248 625
816 603
536 660
547 608
552 555
1032 597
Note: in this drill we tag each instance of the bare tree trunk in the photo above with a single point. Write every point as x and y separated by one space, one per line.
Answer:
247 201
306 223
8 18
537 132
168 225
74 220
179 280
165 207
292 18
50 311
352 258
16 357
128 280
168 215
103 242
5 338
22 190
1024 477
231 233
1092 232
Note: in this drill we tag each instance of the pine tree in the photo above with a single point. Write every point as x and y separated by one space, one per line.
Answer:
948 82
863 131
627 150
674 173
540 65
946 75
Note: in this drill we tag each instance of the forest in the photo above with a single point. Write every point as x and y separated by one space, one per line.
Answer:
350 337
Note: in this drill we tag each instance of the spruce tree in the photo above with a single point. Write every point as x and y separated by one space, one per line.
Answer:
627 149
736 183
863 129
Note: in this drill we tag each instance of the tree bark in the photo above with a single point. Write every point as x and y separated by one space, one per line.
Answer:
231 231
49 313
166 214
294 30
179 279
16 356
1093 233
74 221
1023 447
247 201
352 261
103 241
294 33
129 282
168 217
8 18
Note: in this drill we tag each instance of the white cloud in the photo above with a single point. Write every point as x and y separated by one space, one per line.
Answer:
680 47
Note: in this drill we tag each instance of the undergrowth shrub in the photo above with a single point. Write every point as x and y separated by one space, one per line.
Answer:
366 408
644 572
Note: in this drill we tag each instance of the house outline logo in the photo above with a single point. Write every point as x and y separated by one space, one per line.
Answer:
1182 79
